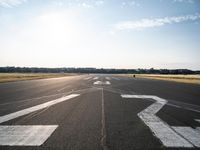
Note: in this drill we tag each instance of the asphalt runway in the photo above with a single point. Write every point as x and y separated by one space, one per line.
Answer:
99 112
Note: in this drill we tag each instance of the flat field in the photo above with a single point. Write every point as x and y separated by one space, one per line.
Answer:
8 77
194 79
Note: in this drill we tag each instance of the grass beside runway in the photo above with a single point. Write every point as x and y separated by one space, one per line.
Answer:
8 77
194 79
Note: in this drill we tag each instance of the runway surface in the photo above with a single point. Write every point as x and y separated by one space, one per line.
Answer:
99 112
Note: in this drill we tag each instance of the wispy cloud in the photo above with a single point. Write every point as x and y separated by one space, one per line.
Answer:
85 5
11 3
99 2
157 22
90 4
184 1
130 4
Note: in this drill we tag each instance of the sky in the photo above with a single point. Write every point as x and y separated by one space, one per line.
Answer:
100 33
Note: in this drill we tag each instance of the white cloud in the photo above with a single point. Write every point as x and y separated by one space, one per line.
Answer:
58 3
85 5
88 4
99 2
157 22
130 4
184 1
11 3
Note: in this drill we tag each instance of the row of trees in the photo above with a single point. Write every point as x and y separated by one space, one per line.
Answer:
94 70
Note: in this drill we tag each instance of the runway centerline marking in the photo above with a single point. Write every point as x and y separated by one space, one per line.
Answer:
103 124
28 135
169 136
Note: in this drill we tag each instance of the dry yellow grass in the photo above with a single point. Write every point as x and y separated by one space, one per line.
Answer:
7 77
194 79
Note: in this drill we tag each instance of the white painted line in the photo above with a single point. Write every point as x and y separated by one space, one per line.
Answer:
87 78
103 124
189 134
63 88
101 83
161 130
198 120
107 78
115 78
198 129
107 82
35 108
97 82
95 78
25 135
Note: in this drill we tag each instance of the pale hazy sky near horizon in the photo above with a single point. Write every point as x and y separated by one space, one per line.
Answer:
100 33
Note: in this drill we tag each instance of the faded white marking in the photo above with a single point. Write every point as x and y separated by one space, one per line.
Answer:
97 82
107 78
174 105
28 135
87 78
35 108
63 88
198 129
102 83
107 82
198 120
162 130
189 134
115 78
95 78
103 124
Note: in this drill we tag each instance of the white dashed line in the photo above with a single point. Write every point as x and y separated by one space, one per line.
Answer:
95 78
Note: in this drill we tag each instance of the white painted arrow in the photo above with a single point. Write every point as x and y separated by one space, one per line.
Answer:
169 136
29 135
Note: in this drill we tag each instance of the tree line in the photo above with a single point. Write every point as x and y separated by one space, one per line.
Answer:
95 70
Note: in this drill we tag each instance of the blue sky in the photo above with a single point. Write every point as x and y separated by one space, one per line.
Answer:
100 33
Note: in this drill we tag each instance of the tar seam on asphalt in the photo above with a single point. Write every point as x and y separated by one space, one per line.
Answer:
103 129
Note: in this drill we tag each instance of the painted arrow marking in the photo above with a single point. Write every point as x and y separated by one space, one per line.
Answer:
102 83
169 136
29 135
